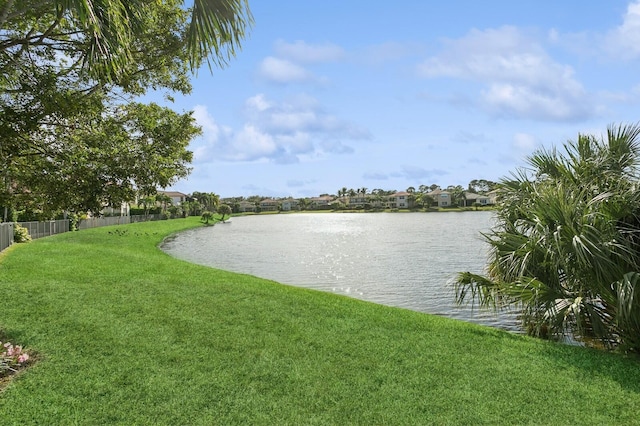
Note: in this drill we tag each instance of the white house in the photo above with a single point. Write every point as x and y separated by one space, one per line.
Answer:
400 200
177 198
442 198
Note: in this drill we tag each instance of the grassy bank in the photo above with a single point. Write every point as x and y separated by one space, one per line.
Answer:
125 334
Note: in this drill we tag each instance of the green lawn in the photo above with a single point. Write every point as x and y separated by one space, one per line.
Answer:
125 334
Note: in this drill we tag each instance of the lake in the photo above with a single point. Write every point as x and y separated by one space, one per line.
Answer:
405 260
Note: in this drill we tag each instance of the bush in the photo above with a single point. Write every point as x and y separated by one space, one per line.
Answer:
20 234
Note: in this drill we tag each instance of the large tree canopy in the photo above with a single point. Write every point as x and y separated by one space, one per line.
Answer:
71 135
566 245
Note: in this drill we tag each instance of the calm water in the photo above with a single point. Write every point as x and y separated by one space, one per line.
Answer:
397 259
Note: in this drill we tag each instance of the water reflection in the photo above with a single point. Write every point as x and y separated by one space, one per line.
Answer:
398 259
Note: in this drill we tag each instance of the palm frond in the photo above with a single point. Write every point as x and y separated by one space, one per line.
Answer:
216 30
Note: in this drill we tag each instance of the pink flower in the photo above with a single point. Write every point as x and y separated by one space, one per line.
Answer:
23 358
11 351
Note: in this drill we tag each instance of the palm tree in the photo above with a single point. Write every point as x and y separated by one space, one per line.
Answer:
411 190
566 245
163 199
457 194
224 210
215 28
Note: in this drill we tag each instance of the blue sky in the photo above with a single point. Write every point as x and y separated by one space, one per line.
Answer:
331 94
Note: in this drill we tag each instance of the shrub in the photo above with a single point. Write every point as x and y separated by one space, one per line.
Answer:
21 234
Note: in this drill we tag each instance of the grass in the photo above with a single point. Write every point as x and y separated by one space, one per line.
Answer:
125 334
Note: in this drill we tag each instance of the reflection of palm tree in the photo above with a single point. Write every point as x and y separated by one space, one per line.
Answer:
565 245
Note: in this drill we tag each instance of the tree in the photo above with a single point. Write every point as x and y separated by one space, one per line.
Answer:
206 217
107 31
146 203
164 201
411 190
566 245
71 135
224 210
457 195
481 186
209 200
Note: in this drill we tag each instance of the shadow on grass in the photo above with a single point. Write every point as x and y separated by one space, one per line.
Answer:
584 363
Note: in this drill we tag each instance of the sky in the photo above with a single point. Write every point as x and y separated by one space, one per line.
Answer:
360 94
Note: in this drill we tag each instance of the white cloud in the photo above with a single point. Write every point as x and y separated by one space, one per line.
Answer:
284 71
624 41
519 78
524 142
251 144
207 122
258 102
283 132
301 52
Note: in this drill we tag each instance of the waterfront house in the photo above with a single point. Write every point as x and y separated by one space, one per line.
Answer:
471 198
290 204
269 205
321 203
442 198
246 206
400 200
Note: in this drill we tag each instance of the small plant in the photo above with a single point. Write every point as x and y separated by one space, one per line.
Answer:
11 358
21 234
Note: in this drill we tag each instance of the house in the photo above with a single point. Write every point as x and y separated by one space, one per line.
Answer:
357 201
321 203
493 196
177 198
290 204
400 200
471 198
246 206
123 210
442 198
269 205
